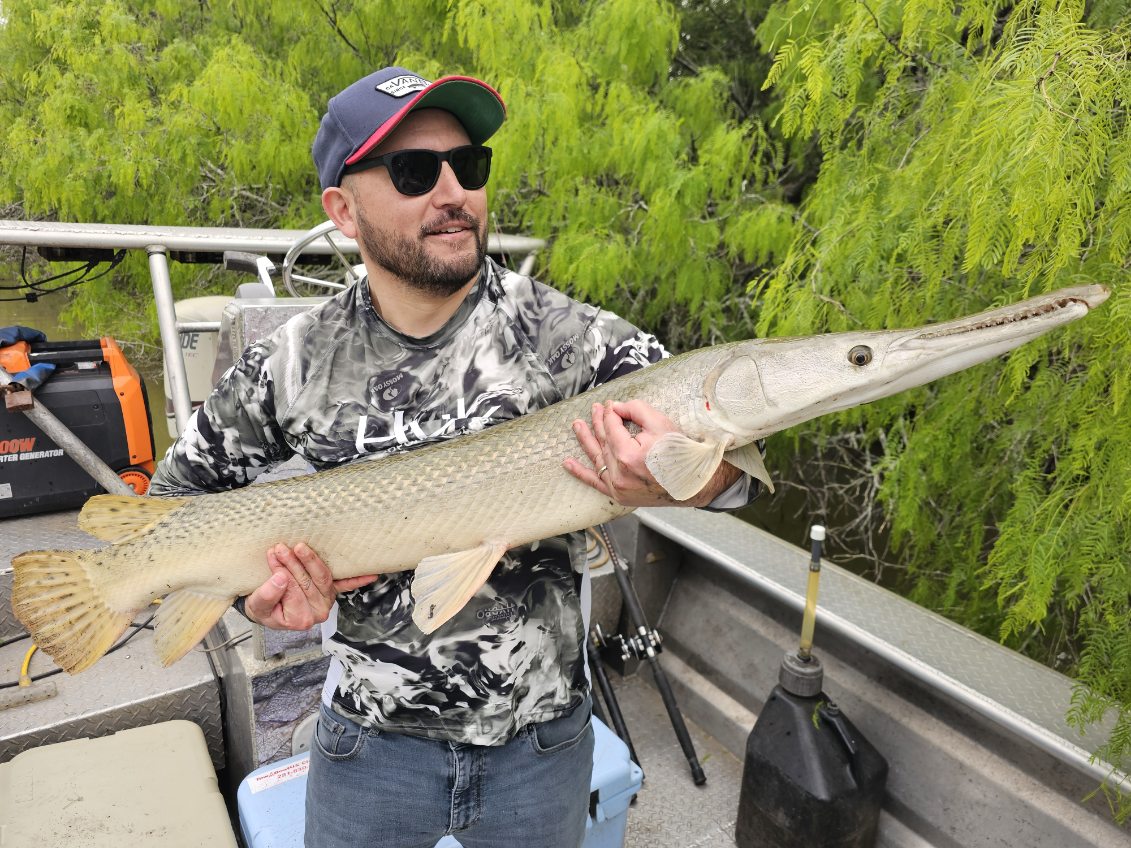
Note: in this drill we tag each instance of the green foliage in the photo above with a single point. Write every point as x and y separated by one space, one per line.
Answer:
146 111
707 168
973 154
633 175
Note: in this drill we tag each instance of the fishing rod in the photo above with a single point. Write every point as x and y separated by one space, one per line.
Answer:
645 644
616 717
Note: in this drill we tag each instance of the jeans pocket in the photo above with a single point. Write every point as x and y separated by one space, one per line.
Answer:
558 734
338 738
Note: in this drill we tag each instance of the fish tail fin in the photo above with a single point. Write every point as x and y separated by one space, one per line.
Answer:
58 601
119 518
185 617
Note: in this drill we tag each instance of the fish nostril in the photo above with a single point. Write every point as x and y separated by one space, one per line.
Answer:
860 355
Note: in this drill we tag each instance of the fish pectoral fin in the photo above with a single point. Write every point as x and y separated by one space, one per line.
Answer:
682 465
749 459
185 617
118 518
444 583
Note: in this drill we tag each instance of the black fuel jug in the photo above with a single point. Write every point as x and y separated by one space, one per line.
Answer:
810 779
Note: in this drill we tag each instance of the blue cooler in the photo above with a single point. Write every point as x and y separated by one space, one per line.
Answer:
616 780
272 798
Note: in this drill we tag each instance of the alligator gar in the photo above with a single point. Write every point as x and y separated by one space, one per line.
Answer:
452 510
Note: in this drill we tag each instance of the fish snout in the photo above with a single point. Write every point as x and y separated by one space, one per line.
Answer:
1092 295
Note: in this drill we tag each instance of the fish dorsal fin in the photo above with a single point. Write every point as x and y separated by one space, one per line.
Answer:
185 617
749 459
682 465
119 518
444 583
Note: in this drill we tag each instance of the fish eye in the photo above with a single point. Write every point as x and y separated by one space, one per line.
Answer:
860 355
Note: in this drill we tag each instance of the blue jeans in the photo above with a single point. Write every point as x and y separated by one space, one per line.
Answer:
369 788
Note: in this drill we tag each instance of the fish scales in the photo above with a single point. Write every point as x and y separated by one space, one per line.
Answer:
451 510
387 514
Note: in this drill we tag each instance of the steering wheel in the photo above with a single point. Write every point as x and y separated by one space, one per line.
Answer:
303 285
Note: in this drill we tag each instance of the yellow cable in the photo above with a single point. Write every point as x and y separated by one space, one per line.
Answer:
594 542
25 679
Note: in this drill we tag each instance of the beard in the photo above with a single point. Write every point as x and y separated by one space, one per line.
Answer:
407 258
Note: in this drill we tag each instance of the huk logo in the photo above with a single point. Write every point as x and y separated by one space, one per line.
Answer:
408 431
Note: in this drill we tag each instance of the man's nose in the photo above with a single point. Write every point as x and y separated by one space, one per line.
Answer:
448 191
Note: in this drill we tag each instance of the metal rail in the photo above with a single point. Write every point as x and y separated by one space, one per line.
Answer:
161 243
736 548
203 239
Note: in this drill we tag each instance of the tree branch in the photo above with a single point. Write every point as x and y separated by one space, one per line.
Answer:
891 40
331 15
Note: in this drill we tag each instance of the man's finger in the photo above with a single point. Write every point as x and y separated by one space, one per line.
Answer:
260 603
643 414
348 584
294 565
617 436
588 441
587 476
598 413
316 567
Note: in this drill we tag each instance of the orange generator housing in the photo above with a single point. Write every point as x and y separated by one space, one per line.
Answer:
101 398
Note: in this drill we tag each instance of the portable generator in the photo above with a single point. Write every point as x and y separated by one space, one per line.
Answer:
96 394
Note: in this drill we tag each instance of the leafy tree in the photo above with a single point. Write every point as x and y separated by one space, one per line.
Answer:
709 168
972 154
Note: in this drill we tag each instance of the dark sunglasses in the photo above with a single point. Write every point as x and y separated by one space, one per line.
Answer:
415 172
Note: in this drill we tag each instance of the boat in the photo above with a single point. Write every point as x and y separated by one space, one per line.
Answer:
978 749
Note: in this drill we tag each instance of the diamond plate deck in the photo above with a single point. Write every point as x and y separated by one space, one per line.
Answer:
125 689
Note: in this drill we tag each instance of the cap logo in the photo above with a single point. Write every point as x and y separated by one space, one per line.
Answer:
403 85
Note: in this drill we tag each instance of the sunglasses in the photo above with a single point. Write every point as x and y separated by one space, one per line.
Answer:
415 172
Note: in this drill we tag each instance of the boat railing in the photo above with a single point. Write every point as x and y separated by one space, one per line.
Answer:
1027 700
208 244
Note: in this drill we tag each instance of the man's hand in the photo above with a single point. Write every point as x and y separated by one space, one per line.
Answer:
619 457
300 591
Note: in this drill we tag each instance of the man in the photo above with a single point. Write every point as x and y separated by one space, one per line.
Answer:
481 728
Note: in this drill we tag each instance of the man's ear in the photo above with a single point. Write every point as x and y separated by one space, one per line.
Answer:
338 204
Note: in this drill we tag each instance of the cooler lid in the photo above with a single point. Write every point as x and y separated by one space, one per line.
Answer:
152 785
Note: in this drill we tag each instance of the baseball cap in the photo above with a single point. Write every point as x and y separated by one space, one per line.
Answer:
360 116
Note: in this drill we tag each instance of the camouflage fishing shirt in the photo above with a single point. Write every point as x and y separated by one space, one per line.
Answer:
338 384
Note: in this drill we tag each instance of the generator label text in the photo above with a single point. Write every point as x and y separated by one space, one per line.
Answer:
20 450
